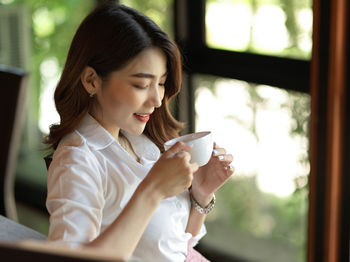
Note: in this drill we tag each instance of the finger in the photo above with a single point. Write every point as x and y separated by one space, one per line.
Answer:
183 154
219 151
226 158
194 167
179 146
230 169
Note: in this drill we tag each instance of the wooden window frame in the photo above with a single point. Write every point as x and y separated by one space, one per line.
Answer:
328 235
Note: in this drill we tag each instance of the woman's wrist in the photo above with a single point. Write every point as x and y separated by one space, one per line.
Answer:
201 208
148 192
202 199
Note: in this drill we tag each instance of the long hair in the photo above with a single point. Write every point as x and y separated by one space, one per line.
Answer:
107 40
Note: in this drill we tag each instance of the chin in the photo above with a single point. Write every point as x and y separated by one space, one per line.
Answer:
134 131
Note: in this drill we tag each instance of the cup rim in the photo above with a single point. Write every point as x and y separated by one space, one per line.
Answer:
201 135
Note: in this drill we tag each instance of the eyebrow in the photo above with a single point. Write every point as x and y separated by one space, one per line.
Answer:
145 75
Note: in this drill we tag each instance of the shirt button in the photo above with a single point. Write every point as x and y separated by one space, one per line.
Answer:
178 205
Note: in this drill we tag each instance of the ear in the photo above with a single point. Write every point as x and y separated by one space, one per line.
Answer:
90 80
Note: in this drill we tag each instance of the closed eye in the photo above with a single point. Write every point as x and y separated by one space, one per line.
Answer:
140 87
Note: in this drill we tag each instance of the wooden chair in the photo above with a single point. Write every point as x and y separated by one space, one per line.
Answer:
13 87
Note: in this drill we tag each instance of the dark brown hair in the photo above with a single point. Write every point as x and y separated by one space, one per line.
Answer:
107 40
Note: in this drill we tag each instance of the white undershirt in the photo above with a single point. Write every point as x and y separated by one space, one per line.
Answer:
91 179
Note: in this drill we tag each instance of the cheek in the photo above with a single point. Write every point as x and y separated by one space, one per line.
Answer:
162 93
121 99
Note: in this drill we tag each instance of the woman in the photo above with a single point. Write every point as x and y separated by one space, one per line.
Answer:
110 183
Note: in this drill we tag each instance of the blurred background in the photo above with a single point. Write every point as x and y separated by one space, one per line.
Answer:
261 213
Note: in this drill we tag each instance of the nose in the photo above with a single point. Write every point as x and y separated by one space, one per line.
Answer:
156 96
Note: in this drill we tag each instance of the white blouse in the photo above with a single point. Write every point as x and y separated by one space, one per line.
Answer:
90 181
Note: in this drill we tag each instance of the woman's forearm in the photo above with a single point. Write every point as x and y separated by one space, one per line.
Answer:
125 232
195 222
196 219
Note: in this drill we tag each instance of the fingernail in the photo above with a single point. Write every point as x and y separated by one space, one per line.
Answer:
215 152
221 157
189 143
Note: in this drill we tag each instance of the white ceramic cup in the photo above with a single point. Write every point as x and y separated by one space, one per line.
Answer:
202 146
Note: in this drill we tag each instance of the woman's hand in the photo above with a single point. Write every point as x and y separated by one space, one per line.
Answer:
172 173
212 176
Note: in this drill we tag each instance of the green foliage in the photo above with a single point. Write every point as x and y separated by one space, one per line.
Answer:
53 25
160 11
242 206
294 30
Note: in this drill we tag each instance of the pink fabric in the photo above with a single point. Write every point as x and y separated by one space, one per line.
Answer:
194 256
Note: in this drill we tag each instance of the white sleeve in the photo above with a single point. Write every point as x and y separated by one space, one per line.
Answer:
75 197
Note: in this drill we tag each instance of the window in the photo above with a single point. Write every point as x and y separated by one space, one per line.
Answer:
275 27
253 94
264 206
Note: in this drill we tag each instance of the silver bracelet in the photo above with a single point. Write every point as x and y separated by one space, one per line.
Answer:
199 208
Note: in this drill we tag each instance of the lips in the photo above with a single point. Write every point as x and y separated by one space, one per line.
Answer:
145 114
142 117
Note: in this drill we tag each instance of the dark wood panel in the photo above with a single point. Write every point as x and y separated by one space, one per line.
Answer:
328 235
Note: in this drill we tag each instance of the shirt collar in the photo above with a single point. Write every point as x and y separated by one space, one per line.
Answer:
96 136
143 146
99 138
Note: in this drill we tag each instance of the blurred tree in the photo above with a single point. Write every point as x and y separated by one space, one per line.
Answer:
241 204
291 10
160 11
52 24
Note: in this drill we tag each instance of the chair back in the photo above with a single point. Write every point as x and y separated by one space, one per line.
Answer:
13 85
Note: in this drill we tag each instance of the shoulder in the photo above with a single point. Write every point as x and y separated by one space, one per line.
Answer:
72 146
74 156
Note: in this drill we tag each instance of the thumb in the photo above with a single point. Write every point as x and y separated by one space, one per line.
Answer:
179 146
194 167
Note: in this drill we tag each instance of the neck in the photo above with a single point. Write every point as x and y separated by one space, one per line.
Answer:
112 129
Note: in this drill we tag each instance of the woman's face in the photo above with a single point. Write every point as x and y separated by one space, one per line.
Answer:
129 96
